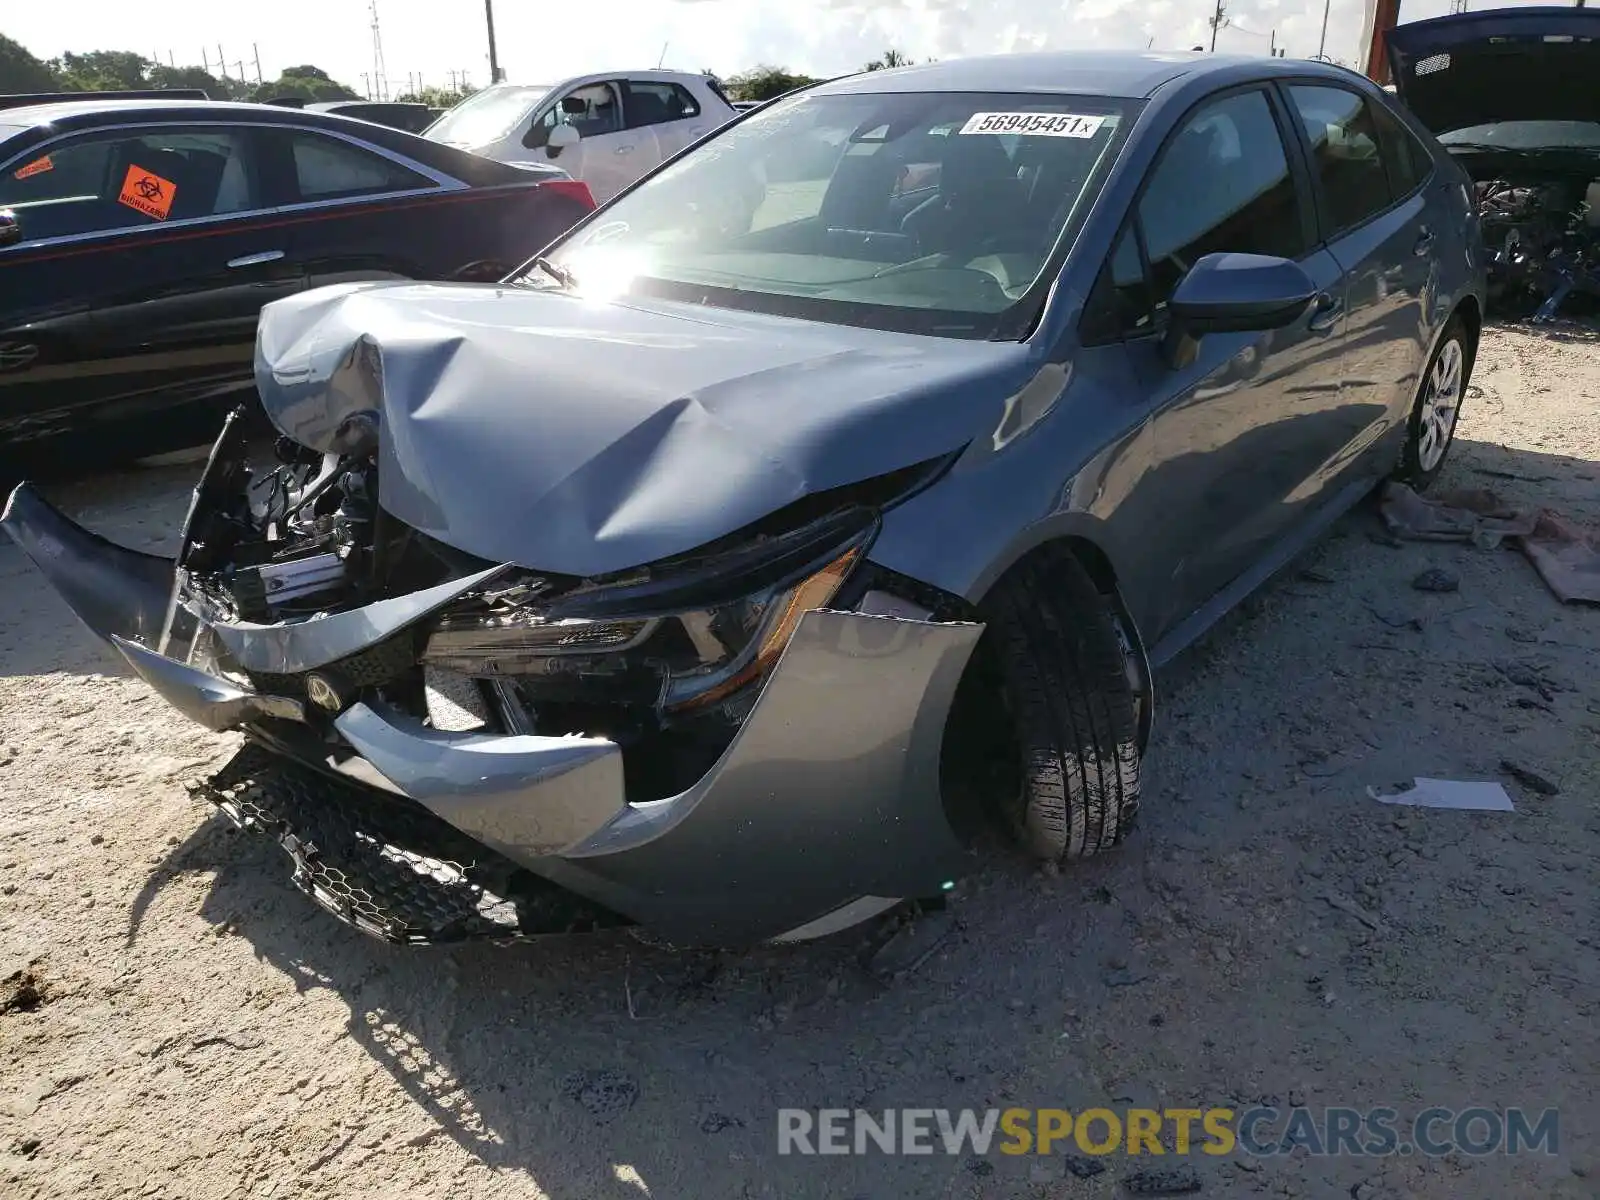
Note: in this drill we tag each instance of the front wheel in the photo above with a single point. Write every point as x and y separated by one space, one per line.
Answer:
1073 707
1437 407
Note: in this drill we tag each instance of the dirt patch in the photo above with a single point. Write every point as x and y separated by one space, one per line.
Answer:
1271 933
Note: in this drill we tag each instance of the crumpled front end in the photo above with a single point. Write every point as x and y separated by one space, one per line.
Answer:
735 745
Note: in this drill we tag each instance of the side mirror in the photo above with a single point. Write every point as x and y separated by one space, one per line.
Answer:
536 135
10 228
562 137
1233 293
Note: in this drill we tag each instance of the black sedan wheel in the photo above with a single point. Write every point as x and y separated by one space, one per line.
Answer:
1072 704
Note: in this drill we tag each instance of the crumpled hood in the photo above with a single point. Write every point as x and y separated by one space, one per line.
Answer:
1501 64
584 438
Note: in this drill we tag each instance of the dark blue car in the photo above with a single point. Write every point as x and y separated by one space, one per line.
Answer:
897 428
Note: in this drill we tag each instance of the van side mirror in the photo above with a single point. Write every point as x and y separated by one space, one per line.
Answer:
10 228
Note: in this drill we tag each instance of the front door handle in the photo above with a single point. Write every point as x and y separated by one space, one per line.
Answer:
1424 243
254 260
1325 313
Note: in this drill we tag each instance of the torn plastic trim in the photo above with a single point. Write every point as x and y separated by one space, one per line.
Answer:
211 701
523 794
114 591
292 649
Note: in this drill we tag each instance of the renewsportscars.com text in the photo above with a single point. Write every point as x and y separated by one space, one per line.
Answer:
1260 1131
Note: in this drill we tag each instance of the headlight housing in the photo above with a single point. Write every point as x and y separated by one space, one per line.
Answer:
683 635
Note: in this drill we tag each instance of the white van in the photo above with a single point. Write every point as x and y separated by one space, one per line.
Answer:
606 129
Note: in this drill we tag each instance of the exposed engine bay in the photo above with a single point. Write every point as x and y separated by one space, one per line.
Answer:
1543 238
663 660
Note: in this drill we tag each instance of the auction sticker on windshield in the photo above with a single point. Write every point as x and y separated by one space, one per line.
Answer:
146 192
1040 124
37 167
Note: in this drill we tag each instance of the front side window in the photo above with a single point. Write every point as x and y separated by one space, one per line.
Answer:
1222 185
1345 154
329 168
935 212
128 179
658 103
593 110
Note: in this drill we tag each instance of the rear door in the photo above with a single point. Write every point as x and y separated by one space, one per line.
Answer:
153 271
1236 432
669 110
1374 217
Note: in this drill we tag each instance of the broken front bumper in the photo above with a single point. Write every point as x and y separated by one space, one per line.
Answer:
824 808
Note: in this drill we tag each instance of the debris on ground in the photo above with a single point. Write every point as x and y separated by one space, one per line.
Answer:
912 944
1163 1181
1566 557
1529 778
1450 793
1435 579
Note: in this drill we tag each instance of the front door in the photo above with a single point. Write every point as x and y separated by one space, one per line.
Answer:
1235 432
608 156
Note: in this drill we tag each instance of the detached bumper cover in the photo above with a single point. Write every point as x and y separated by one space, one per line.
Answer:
828 793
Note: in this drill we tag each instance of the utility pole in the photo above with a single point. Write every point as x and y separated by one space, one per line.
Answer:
1272 46
257 50
494 55
222 62
1216 24
1322 46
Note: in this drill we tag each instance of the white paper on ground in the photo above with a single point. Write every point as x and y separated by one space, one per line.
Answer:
1450 793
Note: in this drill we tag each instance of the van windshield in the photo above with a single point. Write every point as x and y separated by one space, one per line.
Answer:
487 116
937 212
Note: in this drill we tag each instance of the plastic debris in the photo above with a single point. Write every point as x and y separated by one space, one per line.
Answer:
1450 793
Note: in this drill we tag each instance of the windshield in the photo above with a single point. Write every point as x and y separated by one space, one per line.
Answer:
1527 135
487 116
928 212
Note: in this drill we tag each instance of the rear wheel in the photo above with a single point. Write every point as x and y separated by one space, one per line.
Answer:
1072 704
1437 407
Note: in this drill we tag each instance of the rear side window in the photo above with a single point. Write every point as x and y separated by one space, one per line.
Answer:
1222 185
1405 157
658 103
328 168
128 179
1343 131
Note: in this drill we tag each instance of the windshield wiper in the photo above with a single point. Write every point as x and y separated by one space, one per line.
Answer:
557 272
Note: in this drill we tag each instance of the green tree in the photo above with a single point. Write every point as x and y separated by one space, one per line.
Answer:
21 72
307 83
889 58
102 71
436 97
765 83
190 77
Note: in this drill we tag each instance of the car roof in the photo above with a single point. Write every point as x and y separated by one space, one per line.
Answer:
85 114
1111 73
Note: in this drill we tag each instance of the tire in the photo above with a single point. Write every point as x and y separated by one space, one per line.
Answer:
1431 428
1072 707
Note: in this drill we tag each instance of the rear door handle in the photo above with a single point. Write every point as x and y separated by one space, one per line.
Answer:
254 260
624 149
1424 243
1325 313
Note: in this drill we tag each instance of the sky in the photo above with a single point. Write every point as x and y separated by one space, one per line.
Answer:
544 41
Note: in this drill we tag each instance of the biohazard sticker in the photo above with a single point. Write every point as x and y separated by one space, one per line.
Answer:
37 167
1034 124
146 192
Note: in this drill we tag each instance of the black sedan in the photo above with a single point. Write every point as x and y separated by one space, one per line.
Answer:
139 240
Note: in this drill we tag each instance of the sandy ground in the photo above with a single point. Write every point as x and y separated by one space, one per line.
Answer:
1270 933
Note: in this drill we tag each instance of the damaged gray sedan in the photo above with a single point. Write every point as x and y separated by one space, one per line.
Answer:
826 495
